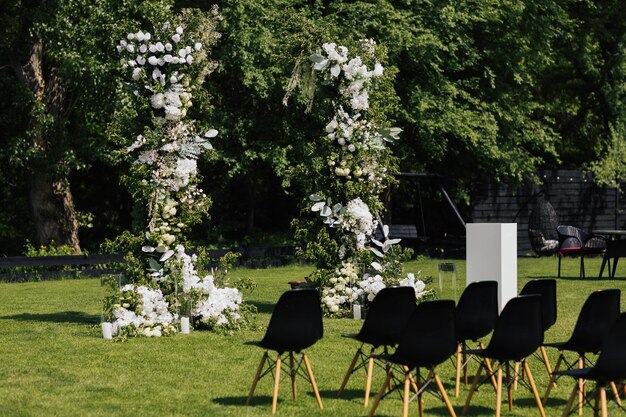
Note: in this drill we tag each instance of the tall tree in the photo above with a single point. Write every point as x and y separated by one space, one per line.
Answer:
58 52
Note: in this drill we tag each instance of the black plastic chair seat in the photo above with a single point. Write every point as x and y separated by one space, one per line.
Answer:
609 368
477 310
296 322
429 338
518 332
387 317
594 321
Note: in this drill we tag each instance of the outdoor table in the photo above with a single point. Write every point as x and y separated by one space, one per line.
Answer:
615 249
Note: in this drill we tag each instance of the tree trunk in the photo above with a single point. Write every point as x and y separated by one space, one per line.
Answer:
53 212
50 196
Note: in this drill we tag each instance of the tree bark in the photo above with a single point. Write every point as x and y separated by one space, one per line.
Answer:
50 196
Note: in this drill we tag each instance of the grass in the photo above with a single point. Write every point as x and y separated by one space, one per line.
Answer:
53 361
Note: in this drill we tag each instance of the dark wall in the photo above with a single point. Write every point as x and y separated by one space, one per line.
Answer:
578 201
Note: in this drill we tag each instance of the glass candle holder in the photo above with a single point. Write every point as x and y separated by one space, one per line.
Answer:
447 273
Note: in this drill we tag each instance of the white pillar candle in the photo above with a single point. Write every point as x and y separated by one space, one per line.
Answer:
184 325
356 311
107 331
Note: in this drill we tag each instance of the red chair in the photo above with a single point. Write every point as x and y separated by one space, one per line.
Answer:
576 242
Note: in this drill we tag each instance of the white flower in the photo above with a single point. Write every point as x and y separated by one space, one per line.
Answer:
197 46
152 48
351 148
176 37
139 36
130 48
153 60
168 46
159 47
143 48
157 100
147 36
378 70
179 30
189 59
130 36
136 73
182 52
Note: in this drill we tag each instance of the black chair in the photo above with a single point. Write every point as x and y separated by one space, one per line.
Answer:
546 288
428 340
594 320
475 317
576 242
386 319
615 249
517 334
610 369
295 325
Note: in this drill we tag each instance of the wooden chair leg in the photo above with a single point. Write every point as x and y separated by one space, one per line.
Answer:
515 374
472 389
349 372
603 407
581 387
616 393
292 373
442 391
546 360
380 394
570 401
459 364
368 378
312 378
276 384
499 391
406 394
552 378
413 384
489 367
256 378
533 388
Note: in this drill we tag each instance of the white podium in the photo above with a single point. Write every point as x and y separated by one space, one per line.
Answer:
491 252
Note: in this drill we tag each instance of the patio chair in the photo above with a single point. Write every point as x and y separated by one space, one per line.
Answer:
517 334
383 326
610 369
475 317
542 225
295 325
574 241
594 321
427 341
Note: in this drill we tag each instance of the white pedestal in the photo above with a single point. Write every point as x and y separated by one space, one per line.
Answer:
491 251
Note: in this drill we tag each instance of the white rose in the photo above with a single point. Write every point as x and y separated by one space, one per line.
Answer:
176 38
168 46
143 48
197 46
153 60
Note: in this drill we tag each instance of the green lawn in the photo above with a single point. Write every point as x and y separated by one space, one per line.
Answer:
53 361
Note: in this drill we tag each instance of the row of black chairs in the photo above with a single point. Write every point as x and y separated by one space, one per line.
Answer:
429 333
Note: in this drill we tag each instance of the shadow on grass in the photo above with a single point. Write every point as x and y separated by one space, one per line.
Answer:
241 400
263 307
577 278
348 394
79 317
